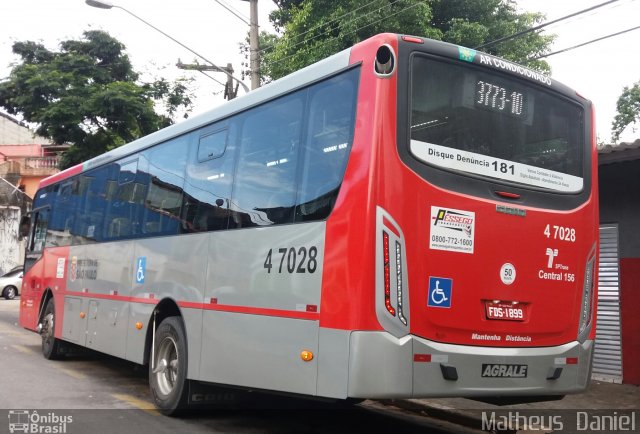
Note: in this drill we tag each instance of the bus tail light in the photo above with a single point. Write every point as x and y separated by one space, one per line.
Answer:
392 302
588 295
387 275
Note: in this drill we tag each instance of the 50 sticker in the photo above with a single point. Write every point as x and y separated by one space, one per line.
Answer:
292 260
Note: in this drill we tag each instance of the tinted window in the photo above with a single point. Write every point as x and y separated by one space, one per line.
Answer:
328 141
486 124
274 164
211 145
124 196
128 171
163 204
65 201
265 185
39 235
93 207
209 182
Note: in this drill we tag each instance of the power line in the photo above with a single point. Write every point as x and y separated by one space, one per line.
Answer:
331 28
327 23
353 31
227 7
585 43
212 78
533 29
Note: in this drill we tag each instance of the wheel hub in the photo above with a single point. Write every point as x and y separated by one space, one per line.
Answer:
166 370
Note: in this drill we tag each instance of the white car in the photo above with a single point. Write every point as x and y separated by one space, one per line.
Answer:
11 283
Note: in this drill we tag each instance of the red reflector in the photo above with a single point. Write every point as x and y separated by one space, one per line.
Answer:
572 360
213 301
312 308
422 357
412 39
508 195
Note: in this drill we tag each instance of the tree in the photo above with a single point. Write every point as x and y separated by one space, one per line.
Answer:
88 95
628 107
314 29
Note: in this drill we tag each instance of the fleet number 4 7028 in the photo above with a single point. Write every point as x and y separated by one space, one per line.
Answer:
560 233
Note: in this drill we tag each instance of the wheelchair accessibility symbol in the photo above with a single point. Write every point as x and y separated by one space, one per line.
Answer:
440 292
141 268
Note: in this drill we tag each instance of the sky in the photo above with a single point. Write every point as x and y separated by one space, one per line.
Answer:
598 71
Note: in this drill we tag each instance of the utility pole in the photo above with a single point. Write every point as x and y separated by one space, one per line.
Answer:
254 44
229 91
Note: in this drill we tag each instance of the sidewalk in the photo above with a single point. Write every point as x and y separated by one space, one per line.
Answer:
602 398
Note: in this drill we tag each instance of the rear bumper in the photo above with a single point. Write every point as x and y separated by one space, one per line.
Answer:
382 366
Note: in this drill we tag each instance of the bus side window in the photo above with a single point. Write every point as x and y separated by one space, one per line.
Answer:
265 185
39 235
330 128
209 178
164 199
115 203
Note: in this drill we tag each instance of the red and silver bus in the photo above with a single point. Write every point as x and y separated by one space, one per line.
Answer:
406 218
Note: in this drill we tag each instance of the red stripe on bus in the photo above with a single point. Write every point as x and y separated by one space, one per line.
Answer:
194 305
112 297
252 310
61 175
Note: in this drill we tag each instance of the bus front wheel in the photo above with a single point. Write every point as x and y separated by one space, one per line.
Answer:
51 347
168 367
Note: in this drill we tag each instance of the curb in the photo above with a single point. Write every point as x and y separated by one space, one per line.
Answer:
437 411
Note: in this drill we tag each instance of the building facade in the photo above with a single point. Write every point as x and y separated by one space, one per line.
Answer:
25 159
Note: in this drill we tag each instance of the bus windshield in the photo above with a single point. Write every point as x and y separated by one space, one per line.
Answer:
472 121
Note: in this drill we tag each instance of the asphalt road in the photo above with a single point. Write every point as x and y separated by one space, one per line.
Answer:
100 394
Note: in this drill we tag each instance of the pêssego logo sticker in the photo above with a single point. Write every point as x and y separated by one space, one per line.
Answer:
452 229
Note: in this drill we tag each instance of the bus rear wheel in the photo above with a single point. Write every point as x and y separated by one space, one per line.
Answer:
51 347
168 367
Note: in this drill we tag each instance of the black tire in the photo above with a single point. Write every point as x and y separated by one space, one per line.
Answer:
51 347
168 368
10 292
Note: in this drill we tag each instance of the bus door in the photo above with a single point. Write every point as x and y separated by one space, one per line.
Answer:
37 237
33 279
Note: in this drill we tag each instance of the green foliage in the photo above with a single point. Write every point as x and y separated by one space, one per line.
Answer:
87 95
311 30
628 107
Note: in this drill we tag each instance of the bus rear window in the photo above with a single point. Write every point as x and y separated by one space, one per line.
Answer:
472 121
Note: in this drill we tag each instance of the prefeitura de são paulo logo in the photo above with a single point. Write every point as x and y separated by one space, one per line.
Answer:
30 421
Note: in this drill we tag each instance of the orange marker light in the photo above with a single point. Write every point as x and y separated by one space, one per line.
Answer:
82 315
139 325
306 356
